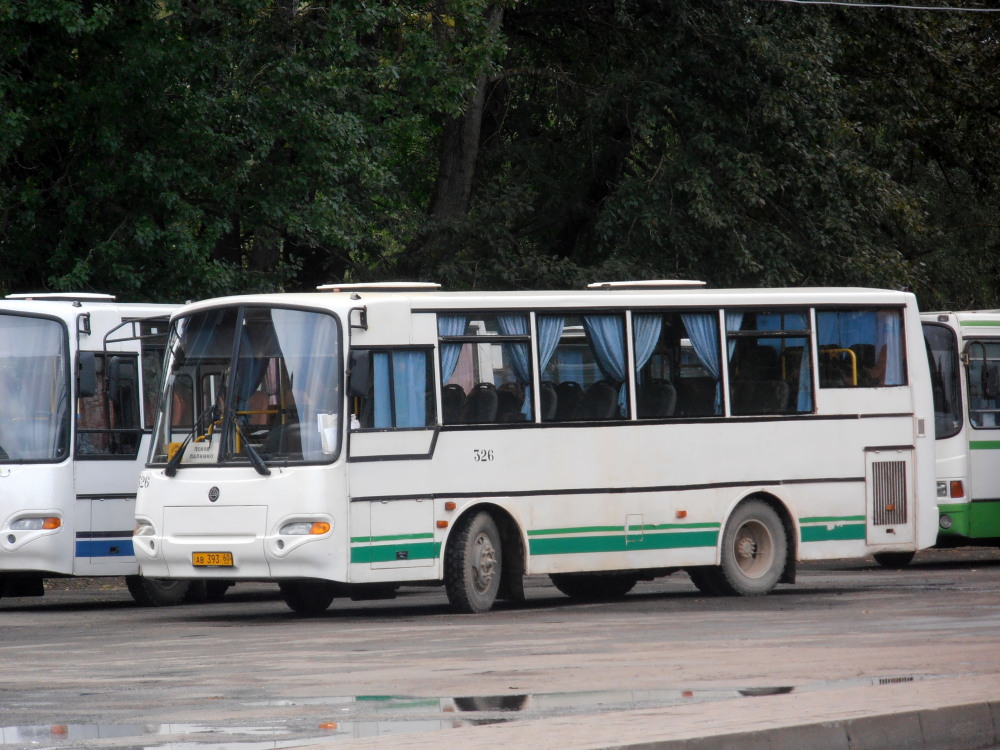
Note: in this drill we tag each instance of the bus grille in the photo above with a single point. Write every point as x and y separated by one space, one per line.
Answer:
889 492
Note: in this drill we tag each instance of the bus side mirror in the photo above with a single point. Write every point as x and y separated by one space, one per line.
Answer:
86 375
358 372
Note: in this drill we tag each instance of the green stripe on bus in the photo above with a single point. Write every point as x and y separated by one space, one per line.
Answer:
390 552
391 538
984 445
621 529
833 519
621 543
980 323
839 532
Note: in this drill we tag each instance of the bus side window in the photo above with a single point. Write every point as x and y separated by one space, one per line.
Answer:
400 391
860 348
769 366
485 368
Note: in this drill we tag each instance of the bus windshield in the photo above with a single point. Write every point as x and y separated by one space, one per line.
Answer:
251 384
942 354
34 390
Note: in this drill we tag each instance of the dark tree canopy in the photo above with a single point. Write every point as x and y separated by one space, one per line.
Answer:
176 149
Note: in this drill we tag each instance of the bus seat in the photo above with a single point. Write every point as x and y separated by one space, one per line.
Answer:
600 401
258 405
759 363
452 403
568 394
481 404
549 399
656 399
760 397
696 396
283 440
510 400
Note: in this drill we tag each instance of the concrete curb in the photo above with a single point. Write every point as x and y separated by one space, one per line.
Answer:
932 714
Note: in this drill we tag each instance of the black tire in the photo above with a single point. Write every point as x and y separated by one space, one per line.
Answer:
754 551
706 579
308 597
594 587
472 564
893 560
158 592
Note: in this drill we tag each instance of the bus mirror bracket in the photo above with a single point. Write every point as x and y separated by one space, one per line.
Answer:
86 375
362 318
358 372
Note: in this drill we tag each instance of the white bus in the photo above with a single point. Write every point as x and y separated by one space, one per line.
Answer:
964 350
365 437
79 375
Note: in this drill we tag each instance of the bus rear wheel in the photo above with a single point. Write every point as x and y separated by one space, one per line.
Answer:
472 564
307 597
594 587
754 551
157 592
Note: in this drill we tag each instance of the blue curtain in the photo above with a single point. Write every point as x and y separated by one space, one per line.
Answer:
606 334
517 325
381 391
703 332
409 377
450 325
549 331
890 336
646 330
805 401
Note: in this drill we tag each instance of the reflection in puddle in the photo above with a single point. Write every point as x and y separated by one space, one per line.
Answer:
378 716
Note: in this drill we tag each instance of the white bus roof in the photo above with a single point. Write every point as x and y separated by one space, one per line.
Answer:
423 299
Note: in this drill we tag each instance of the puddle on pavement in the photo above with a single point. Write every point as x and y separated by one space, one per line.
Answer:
380 715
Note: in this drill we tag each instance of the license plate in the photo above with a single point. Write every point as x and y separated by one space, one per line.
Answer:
212 559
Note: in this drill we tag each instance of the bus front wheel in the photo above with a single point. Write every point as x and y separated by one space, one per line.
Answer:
754 551
472 564
157 592
307 597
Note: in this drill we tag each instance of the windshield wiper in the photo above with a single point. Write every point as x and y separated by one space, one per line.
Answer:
252 455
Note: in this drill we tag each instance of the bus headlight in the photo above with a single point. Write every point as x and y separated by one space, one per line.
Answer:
942 489
945 521
303 528
143 529
36 523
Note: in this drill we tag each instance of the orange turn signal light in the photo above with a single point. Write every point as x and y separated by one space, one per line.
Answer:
52 523
450 505
442 524
319 527
956 488
682 514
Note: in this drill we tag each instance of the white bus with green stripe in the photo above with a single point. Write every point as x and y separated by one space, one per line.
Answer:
964 349
366 437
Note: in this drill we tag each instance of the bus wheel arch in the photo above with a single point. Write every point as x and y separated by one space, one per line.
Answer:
756 546
482 561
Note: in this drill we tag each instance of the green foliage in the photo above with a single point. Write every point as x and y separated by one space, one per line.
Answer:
170 149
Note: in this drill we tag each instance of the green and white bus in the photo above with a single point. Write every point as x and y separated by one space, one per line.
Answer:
360 438
964 351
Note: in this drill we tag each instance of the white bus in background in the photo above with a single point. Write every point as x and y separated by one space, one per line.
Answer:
79 375
351 441
964 349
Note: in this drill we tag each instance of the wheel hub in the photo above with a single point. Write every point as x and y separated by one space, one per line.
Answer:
486 563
